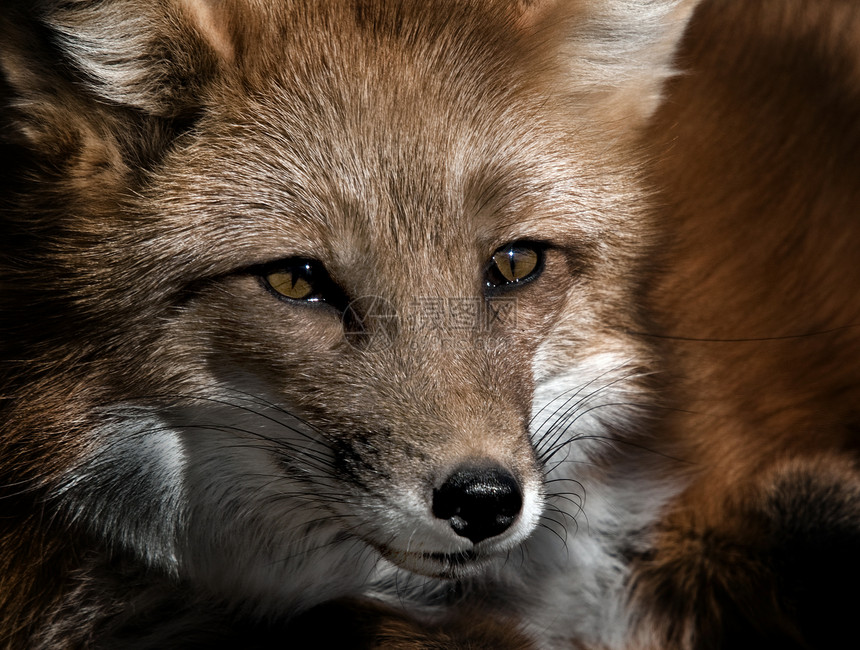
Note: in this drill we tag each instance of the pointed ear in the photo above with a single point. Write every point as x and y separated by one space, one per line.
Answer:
154 56
613 55
91 90
52 127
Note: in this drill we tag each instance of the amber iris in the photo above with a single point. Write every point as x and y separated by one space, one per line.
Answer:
513 264
298 279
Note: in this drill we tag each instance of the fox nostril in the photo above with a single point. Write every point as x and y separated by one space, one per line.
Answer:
478 502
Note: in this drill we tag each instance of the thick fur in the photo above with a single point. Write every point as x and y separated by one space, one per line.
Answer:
181 448
758 167
188 461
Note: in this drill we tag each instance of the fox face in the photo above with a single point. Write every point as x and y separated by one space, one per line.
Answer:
312 300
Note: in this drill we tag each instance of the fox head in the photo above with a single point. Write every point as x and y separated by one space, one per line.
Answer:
299 292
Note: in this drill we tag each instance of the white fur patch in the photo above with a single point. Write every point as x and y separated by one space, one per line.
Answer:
575 576
199 492
131 488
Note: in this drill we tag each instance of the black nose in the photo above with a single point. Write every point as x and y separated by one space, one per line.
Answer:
478 503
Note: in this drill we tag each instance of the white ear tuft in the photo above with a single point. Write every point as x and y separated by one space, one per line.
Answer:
154 57
616 54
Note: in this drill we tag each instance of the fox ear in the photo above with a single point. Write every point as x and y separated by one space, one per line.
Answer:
214 22
614 55
154 56
93 89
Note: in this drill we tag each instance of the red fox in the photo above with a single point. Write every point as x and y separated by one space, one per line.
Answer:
446 324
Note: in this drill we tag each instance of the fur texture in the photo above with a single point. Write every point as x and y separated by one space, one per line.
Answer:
188 460
758 169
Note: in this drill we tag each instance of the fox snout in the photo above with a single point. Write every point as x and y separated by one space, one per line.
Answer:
443 495
477 511
478 502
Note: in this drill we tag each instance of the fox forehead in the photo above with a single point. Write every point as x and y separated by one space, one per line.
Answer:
363 134
364 167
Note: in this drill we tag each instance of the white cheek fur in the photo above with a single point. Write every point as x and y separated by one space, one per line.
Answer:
594 510
208 502
131 488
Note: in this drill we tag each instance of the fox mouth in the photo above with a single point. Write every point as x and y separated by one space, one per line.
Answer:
436 565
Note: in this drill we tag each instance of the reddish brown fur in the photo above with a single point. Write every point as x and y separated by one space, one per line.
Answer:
114 219
757 161
756 307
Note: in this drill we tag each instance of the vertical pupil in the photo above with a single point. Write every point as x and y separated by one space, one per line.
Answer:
300 281
526 261
504 261
293 282
511 264
510 271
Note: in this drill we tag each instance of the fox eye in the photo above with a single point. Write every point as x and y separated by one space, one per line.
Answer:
298 279
514 264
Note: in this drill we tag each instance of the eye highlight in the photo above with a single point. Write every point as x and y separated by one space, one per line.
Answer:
299 279
514 264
